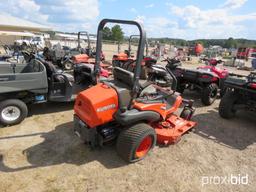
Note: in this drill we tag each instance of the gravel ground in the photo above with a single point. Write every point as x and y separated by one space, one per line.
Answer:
43 154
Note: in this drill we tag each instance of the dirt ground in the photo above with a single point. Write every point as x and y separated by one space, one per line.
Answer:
44 154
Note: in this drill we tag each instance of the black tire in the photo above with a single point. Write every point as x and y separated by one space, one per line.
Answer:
226 107
223 91
17 106
130 139
209 94
186 114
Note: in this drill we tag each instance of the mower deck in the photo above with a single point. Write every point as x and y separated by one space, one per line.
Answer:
171 130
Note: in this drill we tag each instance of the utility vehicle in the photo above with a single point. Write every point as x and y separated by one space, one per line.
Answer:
37 81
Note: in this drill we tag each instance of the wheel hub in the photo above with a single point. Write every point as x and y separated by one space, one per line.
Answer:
213 93
68 66
10 113
144 147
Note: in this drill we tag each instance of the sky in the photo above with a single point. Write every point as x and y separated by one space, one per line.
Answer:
185 19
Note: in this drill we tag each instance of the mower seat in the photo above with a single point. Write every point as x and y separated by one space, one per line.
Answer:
123 84
132 116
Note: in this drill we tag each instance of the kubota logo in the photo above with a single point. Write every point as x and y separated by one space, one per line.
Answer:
107 107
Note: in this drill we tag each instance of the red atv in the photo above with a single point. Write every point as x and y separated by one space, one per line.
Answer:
222 73
208 80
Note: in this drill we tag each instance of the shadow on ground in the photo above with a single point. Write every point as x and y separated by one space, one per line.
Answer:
237 133
46 108
62 146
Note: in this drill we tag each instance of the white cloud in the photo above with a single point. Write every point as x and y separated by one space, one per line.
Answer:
214 23
76 10
26 9
56 13
160 27
234 3
150 5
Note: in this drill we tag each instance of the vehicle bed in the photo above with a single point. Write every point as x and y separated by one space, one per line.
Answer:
23 77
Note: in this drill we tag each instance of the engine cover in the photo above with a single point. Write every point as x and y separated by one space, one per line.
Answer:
96 105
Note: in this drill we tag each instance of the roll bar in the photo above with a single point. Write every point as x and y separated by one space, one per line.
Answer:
140 50
130 39
88 39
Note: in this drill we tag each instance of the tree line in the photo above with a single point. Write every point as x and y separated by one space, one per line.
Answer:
116 34
225 43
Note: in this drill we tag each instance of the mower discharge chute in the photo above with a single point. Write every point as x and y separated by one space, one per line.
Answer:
119 110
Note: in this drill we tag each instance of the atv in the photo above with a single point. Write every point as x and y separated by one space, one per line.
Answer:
240 94
222 73
207 80
122 111
37 81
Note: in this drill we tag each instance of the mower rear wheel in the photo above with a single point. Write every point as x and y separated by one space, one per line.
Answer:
226 107
134 143
209 94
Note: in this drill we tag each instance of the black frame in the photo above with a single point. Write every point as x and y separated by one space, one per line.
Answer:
140 51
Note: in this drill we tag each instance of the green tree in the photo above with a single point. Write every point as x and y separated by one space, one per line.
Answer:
107 34
117 33
230 43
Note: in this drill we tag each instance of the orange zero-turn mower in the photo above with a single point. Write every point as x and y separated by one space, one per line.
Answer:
119 111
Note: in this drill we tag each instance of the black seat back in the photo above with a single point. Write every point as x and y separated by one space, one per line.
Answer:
123 76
